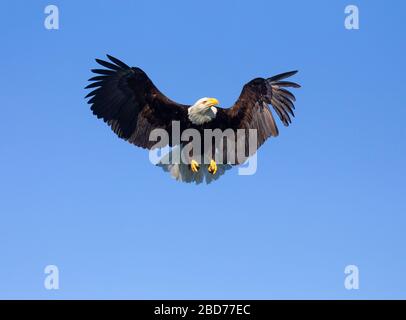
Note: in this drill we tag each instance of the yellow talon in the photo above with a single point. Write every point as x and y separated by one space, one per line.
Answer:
212 167
194 166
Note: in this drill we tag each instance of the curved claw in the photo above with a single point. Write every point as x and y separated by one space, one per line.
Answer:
212 167
194 166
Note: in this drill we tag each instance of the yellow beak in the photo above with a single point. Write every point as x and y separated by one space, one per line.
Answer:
212 102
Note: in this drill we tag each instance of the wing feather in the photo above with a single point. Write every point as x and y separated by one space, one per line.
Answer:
251 110
127 100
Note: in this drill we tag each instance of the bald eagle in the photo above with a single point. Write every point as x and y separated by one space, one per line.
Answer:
127 100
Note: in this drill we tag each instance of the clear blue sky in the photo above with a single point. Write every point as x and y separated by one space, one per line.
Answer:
329 191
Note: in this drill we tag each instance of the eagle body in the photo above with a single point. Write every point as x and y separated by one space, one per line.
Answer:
128 101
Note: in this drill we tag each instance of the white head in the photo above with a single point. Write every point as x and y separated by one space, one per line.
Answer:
203 110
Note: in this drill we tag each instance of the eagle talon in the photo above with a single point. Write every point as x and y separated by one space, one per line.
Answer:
212 167
194 166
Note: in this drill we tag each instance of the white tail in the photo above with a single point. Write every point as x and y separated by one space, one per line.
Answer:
182 172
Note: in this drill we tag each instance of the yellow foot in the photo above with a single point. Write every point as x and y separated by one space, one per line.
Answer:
212 167
194 166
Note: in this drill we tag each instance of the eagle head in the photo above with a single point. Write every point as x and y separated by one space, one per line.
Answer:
203 110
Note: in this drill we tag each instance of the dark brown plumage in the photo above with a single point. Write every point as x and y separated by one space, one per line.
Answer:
127 100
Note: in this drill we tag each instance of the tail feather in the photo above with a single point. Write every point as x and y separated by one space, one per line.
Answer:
181 171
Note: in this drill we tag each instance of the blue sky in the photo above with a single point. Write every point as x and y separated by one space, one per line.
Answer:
329 191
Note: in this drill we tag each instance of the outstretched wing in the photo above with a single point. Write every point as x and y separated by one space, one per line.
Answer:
251 110
127 100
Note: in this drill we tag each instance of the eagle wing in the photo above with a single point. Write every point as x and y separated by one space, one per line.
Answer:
127 100
251 110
